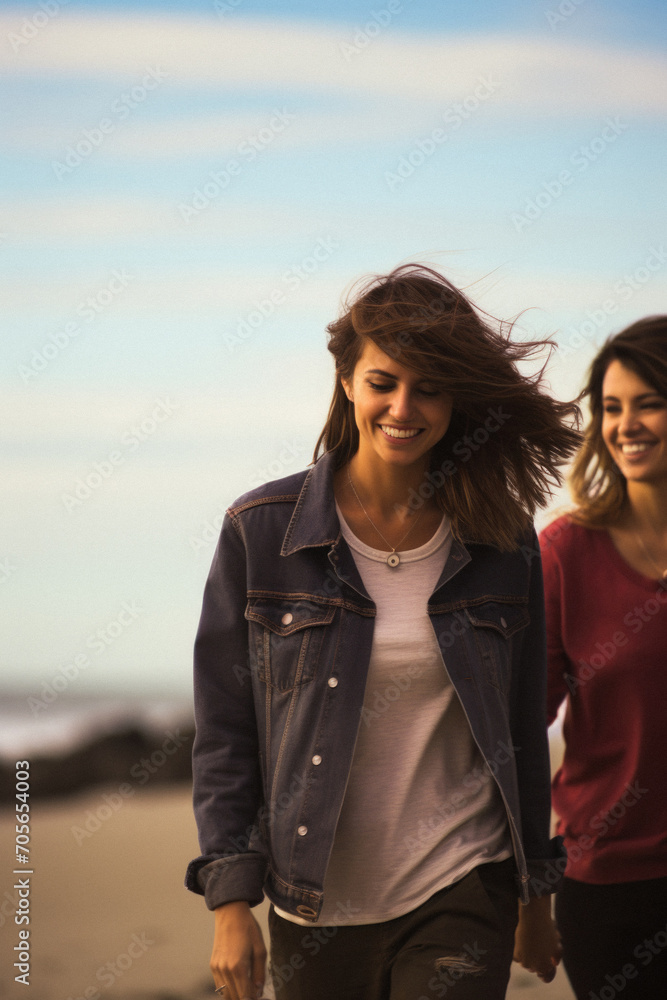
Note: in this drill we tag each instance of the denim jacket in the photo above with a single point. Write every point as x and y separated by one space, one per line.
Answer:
281 659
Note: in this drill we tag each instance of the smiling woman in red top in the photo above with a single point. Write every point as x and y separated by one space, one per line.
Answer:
605 569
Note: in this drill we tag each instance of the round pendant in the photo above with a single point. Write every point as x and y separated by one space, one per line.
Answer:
393 559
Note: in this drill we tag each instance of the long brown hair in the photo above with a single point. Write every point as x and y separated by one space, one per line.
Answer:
500 457
598 487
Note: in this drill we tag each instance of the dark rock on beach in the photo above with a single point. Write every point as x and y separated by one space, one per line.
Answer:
129 755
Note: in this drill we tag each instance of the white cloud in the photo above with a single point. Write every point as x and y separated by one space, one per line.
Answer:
76 415
244 136
201 291
194 291
72 220
533 75
81 219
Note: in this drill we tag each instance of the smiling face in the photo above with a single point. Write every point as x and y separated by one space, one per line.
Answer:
634 425
400 416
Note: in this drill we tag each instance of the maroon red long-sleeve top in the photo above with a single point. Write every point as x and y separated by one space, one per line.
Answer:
607 655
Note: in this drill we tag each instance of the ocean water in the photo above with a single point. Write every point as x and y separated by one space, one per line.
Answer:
30 726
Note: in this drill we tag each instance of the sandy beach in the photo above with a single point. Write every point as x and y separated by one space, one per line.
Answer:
109 916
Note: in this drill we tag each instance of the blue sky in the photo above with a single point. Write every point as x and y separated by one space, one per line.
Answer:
189 188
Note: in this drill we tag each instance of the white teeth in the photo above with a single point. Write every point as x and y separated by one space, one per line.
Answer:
396 433
635 449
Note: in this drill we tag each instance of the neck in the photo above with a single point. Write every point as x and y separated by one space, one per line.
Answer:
647 507
388 489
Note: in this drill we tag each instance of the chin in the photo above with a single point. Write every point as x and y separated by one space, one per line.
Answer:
647 476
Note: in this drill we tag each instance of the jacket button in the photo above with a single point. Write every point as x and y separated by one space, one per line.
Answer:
333 682
503 623
287 619
302 831
317 759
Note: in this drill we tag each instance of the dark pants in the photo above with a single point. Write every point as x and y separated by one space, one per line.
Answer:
458 945
614 938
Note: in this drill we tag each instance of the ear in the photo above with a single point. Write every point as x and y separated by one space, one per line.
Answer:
347 389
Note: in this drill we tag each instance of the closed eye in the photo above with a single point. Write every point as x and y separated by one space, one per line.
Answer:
388 387
653 404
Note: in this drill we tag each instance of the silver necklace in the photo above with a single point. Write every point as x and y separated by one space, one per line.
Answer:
393 559
662 573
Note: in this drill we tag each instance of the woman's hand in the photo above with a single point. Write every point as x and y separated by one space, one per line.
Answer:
238 961
537 944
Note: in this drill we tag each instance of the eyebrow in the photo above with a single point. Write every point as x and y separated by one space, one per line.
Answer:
380 371
643 395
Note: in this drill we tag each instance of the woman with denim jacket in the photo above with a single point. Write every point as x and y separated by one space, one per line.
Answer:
371 744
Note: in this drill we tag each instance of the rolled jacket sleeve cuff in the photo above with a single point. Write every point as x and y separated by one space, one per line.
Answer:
545 874
225 880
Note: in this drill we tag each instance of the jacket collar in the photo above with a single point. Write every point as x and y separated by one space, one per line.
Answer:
314 521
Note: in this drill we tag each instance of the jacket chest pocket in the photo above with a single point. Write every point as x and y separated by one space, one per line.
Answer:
493 624
286 638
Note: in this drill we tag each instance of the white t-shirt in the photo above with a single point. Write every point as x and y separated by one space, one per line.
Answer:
420 810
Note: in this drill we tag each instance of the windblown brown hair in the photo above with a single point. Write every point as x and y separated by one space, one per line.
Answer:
598 487
490 488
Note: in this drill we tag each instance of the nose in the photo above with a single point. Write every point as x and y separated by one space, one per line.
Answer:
401 404
629 422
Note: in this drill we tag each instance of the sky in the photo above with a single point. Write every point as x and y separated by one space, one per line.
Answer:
190 189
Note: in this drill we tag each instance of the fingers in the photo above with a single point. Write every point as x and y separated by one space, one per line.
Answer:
258 967
236 983
241 978
239 955
546 971
547 977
